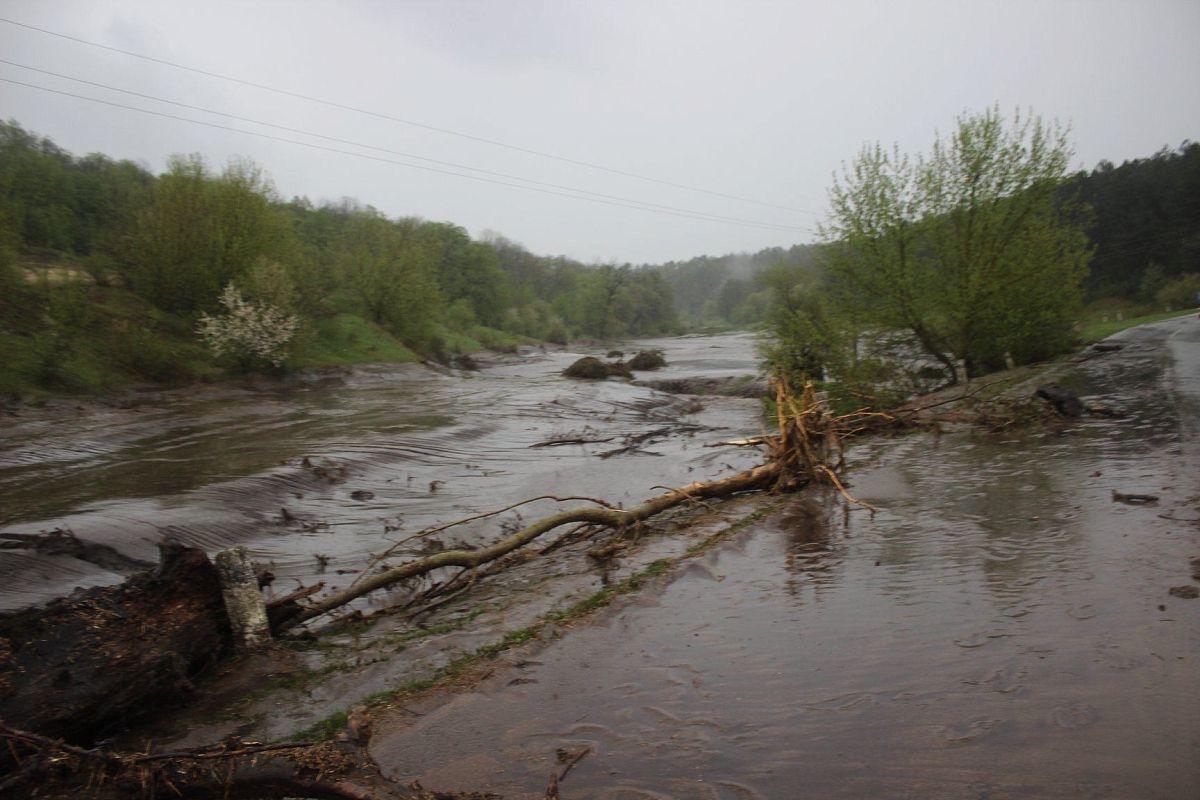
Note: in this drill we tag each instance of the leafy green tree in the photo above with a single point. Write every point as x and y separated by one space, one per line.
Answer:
467 270
388 271
971 249
202 232
1147 214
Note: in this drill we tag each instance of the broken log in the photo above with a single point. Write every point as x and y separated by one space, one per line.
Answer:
85 665
243 601
761 477
1133 498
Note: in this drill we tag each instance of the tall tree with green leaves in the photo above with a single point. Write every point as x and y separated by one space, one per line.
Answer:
970 248
203 231
387 267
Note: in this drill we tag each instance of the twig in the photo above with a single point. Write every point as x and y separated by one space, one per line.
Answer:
571 764
566 538
833 477
576 440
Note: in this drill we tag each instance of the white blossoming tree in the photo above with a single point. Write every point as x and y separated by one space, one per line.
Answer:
251 335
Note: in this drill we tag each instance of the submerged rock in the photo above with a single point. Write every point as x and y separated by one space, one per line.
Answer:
1064 401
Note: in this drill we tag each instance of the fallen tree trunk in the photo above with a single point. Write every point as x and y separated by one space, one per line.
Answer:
804 450
761 477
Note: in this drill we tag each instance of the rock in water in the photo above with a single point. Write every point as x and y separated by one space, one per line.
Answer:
1064 401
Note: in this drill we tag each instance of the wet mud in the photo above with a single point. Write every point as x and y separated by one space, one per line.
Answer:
999 628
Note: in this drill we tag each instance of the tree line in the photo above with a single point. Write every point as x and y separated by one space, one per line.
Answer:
1141 218
177 241
977 254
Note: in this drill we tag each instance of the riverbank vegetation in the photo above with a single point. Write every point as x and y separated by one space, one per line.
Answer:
111 275
937 268
1143 230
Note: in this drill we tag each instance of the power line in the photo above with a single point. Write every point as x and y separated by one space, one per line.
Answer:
720 217
685 214
400 120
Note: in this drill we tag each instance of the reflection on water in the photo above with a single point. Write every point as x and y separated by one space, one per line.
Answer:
999 628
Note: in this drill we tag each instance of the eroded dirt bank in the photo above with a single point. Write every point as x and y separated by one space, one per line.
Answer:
1001 627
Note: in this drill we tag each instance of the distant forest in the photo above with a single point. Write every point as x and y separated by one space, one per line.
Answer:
1145 228
107 270
84 240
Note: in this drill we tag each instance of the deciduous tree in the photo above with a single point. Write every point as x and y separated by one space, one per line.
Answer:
970 248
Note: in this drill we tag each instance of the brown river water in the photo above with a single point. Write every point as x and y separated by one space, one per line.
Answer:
999 628
315 476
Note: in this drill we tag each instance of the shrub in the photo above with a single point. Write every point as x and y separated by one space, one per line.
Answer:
251 335
1183 292
591 368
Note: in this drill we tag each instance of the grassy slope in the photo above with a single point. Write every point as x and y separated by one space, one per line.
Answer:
67 336
1096 329
346 339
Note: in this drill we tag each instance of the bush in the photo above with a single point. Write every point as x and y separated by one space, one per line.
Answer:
1183 292
251 335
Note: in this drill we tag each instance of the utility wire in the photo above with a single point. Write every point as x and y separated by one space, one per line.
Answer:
685 214
401 120
738 220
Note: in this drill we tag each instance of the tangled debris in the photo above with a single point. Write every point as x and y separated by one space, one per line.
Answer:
50 769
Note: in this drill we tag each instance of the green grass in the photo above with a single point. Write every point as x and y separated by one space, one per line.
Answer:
70 339
476 339
1095 330
346 339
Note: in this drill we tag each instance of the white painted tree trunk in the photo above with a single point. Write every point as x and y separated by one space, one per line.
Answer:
243 601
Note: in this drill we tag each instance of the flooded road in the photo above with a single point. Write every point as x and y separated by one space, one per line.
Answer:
315 476
1000 628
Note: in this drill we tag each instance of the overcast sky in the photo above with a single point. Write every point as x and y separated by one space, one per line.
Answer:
762 101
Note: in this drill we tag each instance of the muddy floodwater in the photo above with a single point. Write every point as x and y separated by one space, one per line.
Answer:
315 476
1000 626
